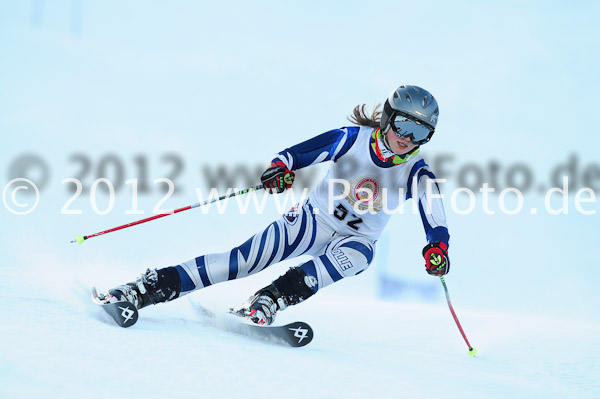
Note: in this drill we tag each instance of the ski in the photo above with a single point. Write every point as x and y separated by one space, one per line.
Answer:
296 334
124 313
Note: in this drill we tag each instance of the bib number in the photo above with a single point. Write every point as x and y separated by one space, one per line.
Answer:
340 213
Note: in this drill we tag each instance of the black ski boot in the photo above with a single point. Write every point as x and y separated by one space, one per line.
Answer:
289 289
259 309
150 288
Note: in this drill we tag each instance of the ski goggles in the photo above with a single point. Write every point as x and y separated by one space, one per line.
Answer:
418 132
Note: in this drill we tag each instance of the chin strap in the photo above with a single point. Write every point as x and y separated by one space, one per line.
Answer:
413 150
385 143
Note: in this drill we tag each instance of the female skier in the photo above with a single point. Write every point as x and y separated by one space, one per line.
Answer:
376 166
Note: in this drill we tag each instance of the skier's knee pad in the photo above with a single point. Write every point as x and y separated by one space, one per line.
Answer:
349 256
343 257
291 288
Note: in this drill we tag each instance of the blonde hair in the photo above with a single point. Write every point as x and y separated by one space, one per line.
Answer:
359 116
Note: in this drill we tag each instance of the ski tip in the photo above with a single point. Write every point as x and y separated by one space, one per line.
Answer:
95 297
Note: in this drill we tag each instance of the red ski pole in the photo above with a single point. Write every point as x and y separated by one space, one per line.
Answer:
472 351
81 239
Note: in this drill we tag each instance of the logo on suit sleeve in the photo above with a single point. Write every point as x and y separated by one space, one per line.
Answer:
292 215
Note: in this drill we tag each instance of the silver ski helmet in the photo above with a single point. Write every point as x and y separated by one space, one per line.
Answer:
411 105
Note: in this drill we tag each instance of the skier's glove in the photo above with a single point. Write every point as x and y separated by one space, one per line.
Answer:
437 262
277 178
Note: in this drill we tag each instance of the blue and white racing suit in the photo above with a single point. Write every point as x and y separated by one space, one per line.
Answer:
342 218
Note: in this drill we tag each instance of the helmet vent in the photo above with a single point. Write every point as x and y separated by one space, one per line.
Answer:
411 101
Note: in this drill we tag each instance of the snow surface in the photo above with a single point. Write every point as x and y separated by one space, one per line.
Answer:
57 344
